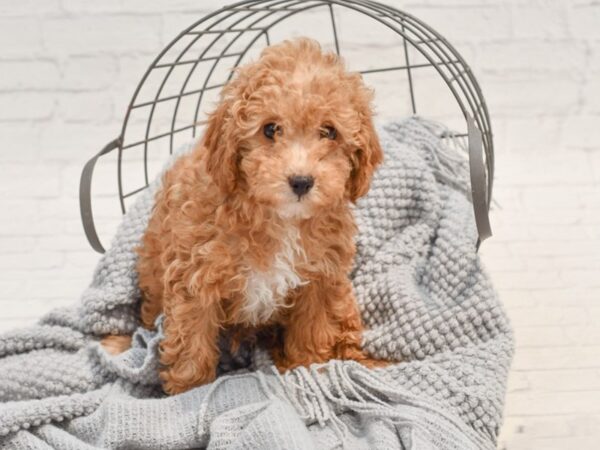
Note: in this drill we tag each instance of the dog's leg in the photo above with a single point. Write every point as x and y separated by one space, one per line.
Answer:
189 352
345 312
323 324
349 342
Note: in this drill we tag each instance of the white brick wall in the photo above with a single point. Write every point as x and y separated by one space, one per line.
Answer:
68 68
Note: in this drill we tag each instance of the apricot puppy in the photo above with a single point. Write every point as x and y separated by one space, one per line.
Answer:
253 229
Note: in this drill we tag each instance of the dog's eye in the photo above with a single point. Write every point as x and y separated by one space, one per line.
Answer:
271 129
328 132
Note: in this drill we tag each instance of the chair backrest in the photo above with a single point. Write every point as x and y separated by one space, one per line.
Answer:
412 68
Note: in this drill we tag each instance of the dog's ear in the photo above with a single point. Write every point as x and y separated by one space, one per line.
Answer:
221 145
365 158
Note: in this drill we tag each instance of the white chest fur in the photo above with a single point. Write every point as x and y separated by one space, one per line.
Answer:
266 290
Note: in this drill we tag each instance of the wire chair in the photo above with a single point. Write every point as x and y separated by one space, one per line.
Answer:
166 108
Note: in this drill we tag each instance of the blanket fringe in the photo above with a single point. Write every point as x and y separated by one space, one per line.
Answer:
322 392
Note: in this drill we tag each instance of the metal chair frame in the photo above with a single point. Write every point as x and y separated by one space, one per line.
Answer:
263 16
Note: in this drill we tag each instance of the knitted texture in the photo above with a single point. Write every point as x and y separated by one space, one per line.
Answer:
424 298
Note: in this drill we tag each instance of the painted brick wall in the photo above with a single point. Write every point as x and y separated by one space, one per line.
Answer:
67 71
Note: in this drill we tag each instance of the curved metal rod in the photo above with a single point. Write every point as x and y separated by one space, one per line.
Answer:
85 196
477 174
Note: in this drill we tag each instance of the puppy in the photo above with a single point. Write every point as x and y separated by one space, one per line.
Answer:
253 230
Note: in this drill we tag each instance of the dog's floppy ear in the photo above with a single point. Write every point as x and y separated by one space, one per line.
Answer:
221 145
365 158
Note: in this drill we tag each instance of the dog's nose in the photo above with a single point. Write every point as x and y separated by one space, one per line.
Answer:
301 184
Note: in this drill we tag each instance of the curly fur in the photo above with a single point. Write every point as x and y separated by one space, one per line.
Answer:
229 245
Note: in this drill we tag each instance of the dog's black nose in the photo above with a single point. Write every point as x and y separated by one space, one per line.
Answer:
301 185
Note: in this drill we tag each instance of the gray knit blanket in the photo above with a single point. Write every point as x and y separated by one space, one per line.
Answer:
424 298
